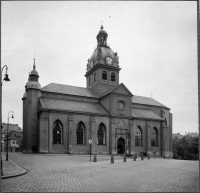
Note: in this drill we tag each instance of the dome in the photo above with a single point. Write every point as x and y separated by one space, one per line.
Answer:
33 84
100 55
34 72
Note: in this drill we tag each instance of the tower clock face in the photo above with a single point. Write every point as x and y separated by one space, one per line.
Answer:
108 60
120 105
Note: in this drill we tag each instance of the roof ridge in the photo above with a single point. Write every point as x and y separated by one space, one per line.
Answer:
65 85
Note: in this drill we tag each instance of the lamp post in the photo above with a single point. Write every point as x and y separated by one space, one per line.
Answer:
7 134
6 79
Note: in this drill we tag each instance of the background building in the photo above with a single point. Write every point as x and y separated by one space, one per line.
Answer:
10 127
60 118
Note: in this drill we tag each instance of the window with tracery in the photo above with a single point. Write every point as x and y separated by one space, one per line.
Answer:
154 137
138 137
57 132
80 133
101 135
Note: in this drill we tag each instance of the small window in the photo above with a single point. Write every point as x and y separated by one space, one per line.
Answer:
112 76
13 142
89 81
95 77
104 75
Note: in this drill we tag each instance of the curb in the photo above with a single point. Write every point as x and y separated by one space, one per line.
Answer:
24 171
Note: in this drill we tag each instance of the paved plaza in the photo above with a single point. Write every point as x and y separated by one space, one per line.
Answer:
75 173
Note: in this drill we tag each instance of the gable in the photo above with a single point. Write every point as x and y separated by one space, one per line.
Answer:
120 89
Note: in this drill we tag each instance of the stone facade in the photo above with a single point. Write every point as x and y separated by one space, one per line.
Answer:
62 118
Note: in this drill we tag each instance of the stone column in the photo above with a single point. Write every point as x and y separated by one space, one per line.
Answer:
70 134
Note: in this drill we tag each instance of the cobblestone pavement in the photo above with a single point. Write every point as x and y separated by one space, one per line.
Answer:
64 173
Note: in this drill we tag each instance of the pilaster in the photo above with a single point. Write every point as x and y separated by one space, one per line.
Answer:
132 136
70 134
92 134
148 137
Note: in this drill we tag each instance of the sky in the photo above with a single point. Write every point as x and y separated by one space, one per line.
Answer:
156 43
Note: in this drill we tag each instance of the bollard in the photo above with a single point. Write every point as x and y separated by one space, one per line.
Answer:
148 156
112 158
134 157
95 158
141 156
124 157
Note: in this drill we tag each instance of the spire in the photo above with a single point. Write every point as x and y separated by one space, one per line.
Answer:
34 64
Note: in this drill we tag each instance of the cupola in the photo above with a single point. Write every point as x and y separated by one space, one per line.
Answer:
33 79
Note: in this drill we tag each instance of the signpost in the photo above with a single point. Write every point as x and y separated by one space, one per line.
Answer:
90 142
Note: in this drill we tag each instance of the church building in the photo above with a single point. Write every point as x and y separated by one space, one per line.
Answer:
105 116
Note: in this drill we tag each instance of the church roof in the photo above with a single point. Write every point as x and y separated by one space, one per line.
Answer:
70 90
146 101
74 106
144 113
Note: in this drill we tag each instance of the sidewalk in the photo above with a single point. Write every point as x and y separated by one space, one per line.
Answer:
11 169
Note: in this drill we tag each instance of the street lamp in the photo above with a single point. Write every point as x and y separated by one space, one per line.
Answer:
6 79
7 133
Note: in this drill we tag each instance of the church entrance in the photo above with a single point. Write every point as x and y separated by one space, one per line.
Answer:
121 145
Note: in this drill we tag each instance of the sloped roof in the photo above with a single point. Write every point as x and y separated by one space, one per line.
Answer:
147 101
67 89
63 105
145 114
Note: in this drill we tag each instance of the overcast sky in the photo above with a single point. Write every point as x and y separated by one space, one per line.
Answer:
156 43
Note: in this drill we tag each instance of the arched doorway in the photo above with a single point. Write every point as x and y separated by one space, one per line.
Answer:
121 145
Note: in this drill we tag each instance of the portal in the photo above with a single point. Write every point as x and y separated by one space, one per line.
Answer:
121 146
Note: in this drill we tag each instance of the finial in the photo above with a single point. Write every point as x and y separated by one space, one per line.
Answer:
34 64
101 25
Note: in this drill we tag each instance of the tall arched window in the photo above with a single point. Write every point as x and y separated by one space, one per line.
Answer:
80 133
112 76
101 135
95 74
57 132
154 137
138 136
104 75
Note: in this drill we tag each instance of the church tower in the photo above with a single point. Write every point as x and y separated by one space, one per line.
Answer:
103 66
30 109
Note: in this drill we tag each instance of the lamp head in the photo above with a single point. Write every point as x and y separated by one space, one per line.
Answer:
6 78
12 116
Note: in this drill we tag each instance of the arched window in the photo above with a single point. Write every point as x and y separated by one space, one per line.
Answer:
57 132
95 77
80 133
112 76
138 136
154 137
101 135
104 75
